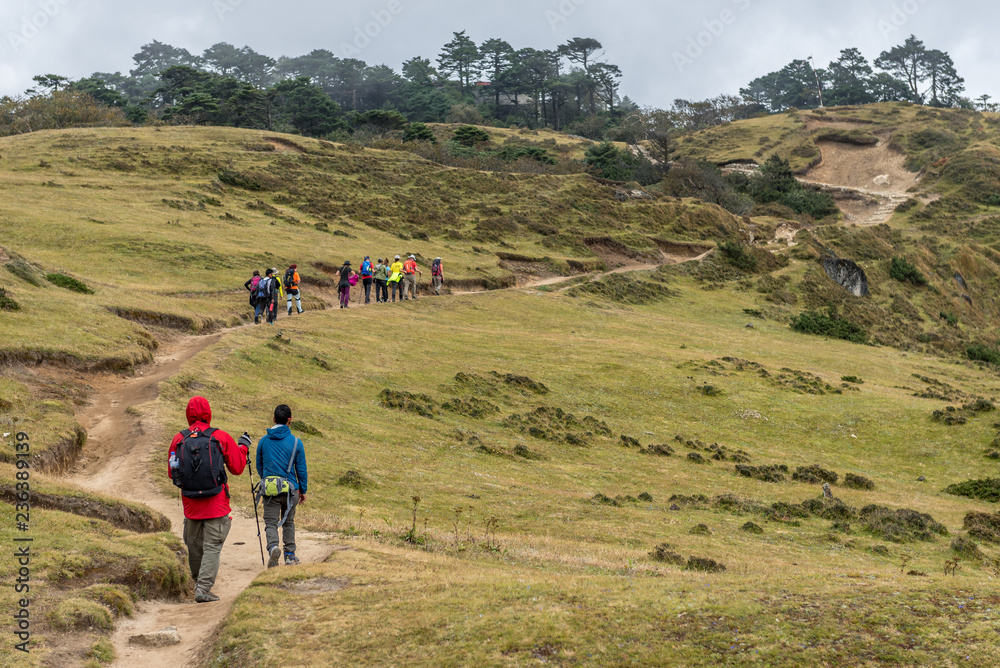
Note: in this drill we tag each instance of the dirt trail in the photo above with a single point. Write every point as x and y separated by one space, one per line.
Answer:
117 460
868 181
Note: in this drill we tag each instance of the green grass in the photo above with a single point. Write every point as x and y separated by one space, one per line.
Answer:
624 366
69 553
509 560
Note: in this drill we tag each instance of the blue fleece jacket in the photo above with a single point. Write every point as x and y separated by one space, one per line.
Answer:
273 453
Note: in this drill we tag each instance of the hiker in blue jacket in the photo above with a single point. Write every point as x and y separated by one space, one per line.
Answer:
281 466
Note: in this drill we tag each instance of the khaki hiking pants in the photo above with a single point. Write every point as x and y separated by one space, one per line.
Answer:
204 540
410 287
274 510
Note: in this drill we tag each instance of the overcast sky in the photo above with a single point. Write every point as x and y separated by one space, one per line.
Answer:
667 49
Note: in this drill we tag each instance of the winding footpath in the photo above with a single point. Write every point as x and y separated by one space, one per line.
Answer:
121 452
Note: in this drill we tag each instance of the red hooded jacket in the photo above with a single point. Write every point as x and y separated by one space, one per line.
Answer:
199 416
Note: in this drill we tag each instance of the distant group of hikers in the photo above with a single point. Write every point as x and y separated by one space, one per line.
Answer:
399 276
198 460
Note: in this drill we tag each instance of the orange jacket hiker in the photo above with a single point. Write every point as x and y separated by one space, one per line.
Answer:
410 267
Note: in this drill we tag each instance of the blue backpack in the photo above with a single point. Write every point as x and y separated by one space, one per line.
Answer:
366 268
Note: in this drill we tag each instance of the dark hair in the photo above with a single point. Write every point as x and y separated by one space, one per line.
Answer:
256 273
268 272
282 414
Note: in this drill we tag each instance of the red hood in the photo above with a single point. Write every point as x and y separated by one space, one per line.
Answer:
198 410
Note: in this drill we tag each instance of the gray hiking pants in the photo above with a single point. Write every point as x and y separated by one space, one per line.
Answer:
274 510
204 540
298 300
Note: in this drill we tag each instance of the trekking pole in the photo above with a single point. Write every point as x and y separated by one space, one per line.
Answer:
253 497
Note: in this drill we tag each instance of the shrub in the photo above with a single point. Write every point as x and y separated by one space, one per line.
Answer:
776 183
987 489
983 526
664 552
738 255
810 322
978 352
814 474
904 271
966 548
7 303
24 271
854 481
237 179
419 132
69 283
609 162
704 565
355 480
859 137
852 379
470 135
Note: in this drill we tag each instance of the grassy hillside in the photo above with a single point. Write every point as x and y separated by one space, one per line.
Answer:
544 474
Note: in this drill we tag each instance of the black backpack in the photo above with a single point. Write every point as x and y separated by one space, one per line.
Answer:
201 466
289 278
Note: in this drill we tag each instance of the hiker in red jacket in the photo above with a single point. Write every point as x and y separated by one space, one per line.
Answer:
198 459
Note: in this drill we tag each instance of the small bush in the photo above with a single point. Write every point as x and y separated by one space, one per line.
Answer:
7 303
419 132
984 526
231 177
814 474
763 473
966 548
603 500
470 135
704 565
646 497
420 404
978 352
852 379
664 552
811 322
738 255
69 283
904 271
700 530
987 489
750 527
854 481
305 428
24 271
355 480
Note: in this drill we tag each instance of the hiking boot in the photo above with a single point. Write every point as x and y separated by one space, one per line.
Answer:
273 555
204 596
291 559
